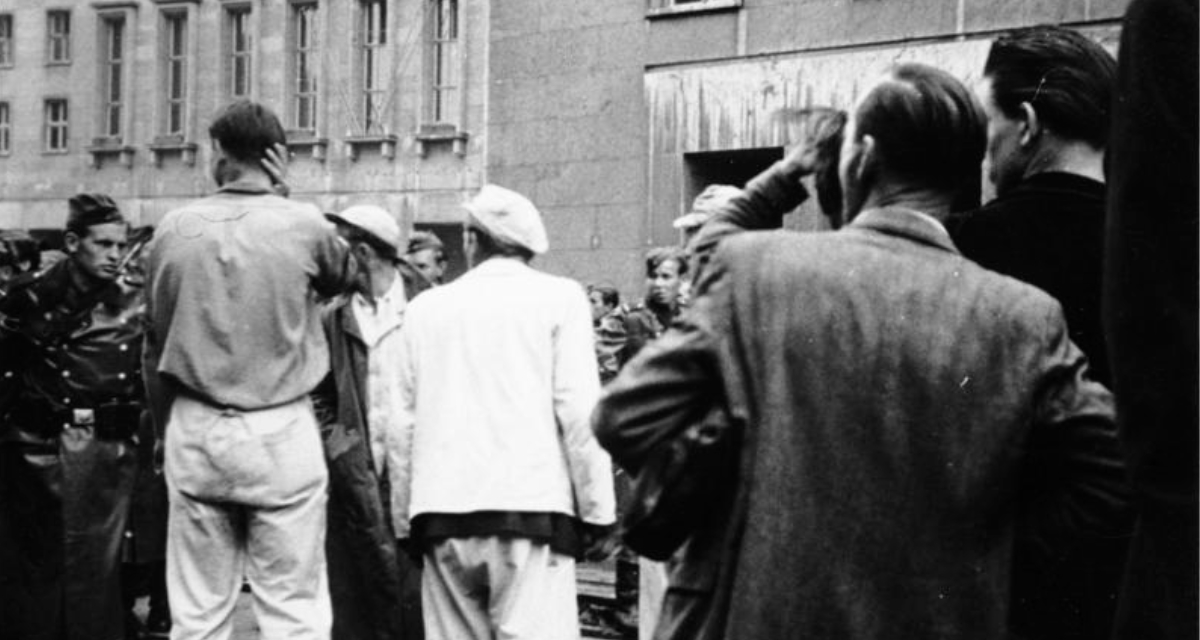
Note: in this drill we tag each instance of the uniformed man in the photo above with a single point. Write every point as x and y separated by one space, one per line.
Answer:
69 343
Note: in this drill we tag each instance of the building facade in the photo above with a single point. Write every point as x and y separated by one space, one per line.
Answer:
611 115
383 100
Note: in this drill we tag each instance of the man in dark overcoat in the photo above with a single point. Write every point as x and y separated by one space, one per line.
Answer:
374 585
70 339
891 404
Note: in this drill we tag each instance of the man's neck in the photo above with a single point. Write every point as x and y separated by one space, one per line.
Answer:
935 204
82 281
383 276
1079 158
247 175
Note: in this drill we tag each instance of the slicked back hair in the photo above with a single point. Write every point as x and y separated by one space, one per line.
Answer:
928 127
1065 76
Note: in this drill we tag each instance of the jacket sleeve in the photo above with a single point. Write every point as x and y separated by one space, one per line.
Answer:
1074 475
336 267
771 195
576 388
669 385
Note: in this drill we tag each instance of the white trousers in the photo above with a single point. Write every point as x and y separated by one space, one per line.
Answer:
247 496
492 588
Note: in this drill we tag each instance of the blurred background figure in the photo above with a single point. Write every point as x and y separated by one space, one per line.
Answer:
19 253
1150 309
666 268
710 200
427 254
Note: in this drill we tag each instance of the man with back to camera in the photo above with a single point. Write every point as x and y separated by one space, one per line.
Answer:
70 339
1047 93
235 346
508 484
889 401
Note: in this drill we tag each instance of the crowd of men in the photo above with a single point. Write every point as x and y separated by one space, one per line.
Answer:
941 420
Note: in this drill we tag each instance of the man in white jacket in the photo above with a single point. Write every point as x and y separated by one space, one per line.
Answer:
508 485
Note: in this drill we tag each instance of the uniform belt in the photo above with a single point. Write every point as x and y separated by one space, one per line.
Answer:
108 421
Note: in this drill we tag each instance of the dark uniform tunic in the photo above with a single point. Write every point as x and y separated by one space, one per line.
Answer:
71 364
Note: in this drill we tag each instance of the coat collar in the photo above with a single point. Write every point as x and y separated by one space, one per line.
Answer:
905 223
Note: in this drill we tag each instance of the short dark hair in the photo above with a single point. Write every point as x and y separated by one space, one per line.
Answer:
655 257
489 245
356 235
608 294
245 130
1065 76
928 127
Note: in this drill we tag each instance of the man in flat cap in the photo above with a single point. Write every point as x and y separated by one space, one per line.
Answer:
67 446
428 255
508 484
375 590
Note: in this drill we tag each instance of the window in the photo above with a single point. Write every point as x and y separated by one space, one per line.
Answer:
304 67
445 62
175 47
113 75
372 41
5 130
58 37
56 126
6 39
239 51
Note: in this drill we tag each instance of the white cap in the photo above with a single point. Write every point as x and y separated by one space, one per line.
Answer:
508 216
372 219
706 204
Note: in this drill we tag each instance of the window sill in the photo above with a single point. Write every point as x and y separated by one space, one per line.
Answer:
439 133
55 152
298 141
58 63
102 147
692 8
163 147
386 144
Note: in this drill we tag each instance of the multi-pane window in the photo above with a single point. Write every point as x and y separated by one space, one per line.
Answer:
113 62
240 57
175 58
6 39
372 41
304 67
5 130
56 125
445 62
58 36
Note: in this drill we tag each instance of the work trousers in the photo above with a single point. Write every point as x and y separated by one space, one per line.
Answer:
494 588
247 498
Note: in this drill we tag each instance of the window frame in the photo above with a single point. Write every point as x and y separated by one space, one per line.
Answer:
53 38
374 92
444 100
304 54
51 126
114 95
175 63
238 19
7 47
5 128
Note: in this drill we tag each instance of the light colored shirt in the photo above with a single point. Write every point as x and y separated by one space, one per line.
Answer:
499 379
379 325
233 284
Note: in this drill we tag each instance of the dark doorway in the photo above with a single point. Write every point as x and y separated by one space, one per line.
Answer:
725 167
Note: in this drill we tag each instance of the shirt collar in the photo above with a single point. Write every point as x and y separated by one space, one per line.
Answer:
244 186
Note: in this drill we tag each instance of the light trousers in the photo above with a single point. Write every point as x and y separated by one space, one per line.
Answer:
247 498
493 588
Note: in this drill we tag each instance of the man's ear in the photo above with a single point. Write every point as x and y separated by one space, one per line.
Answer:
1029 123
71 241
868 160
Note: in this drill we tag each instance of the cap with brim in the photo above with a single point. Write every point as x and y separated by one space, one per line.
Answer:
373 220
90 209
509 217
